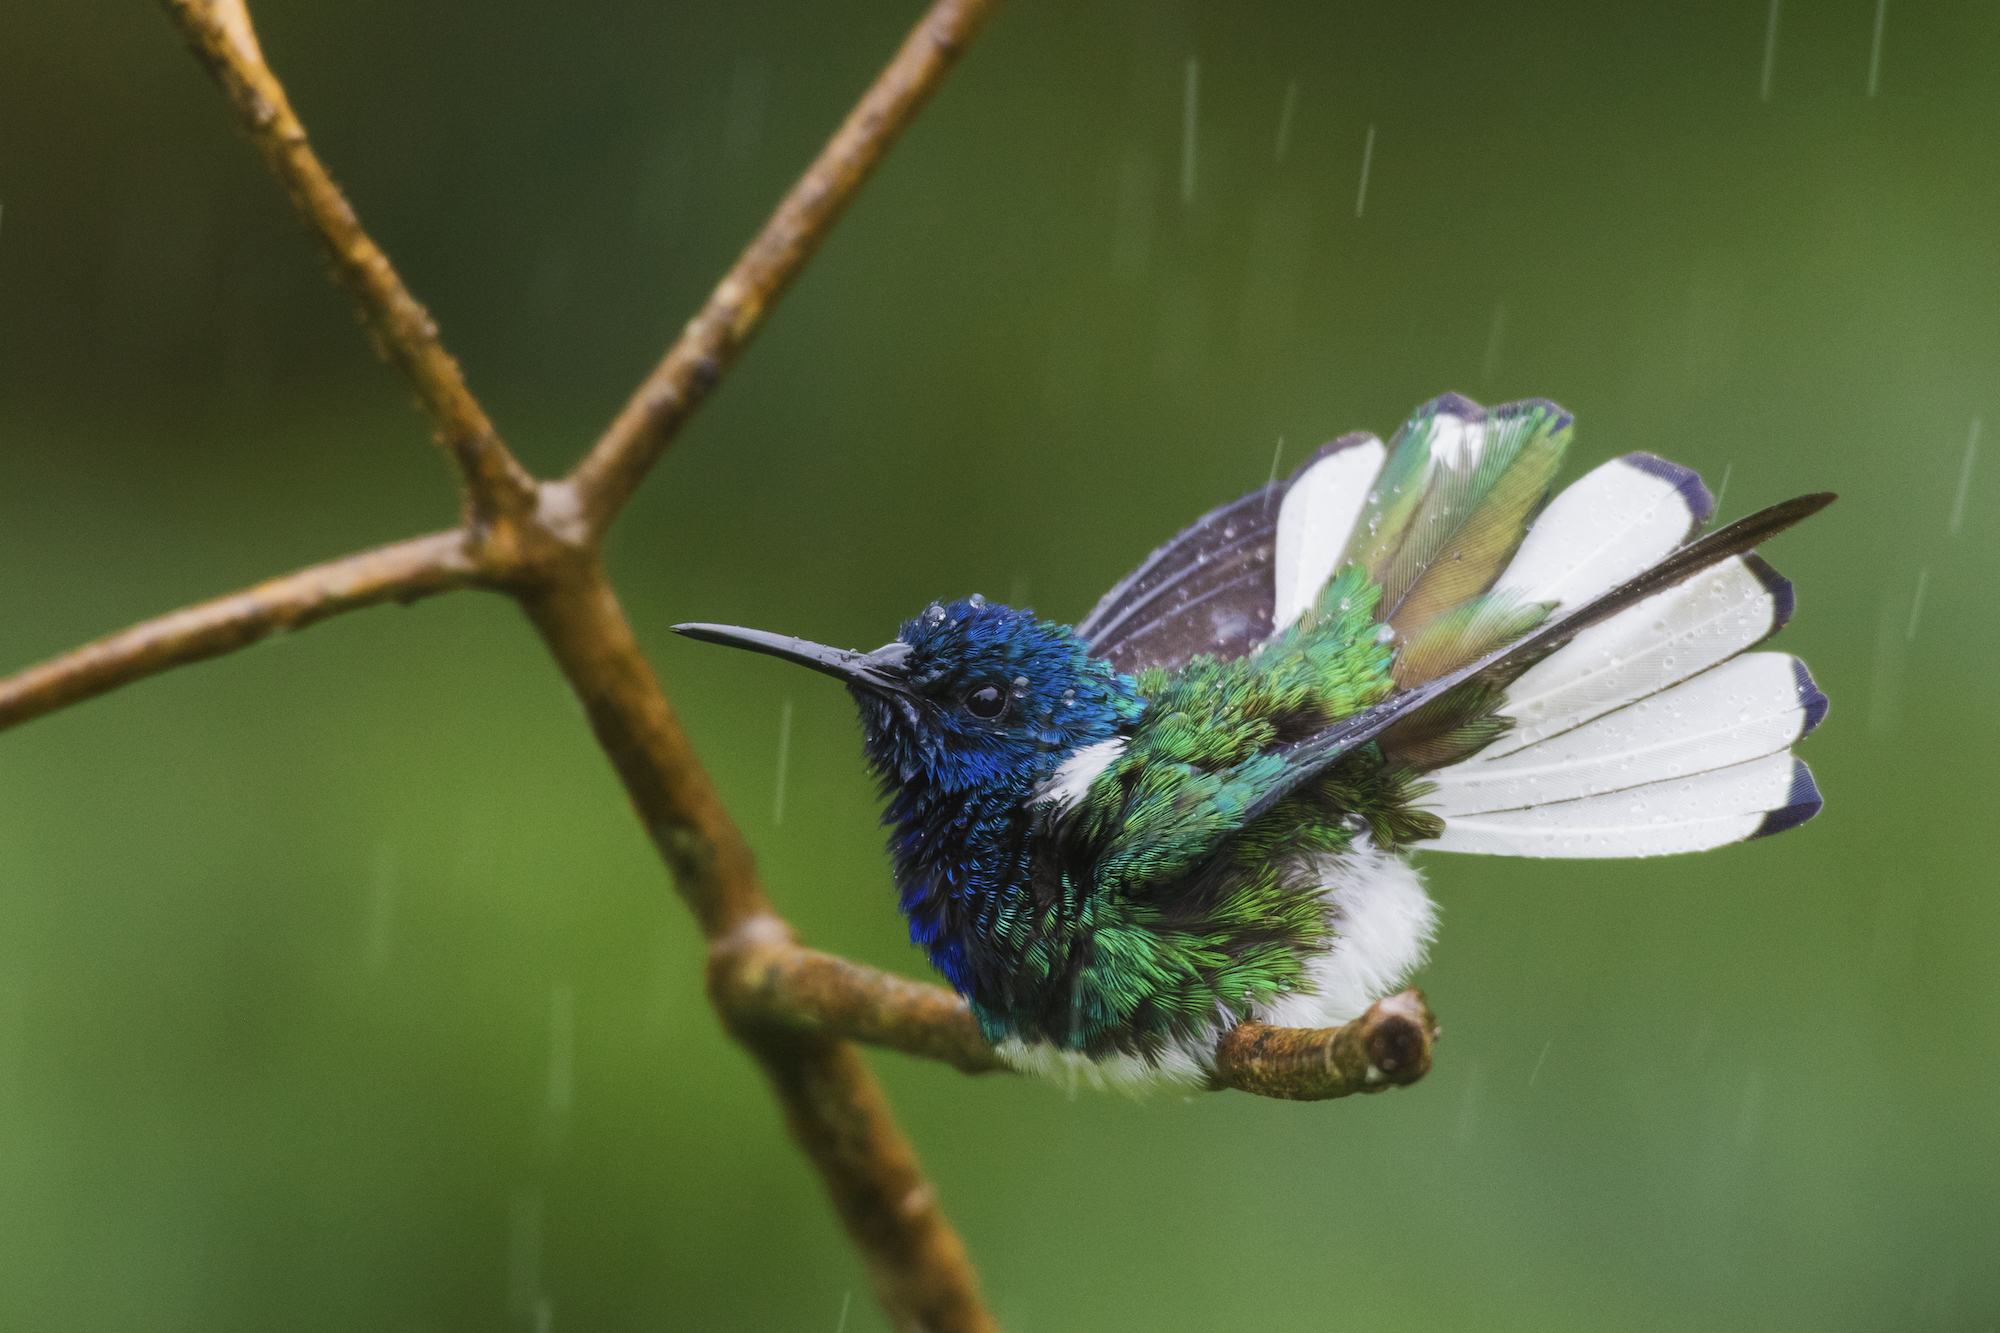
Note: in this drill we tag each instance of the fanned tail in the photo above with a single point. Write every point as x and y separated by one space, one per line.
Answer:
1654 730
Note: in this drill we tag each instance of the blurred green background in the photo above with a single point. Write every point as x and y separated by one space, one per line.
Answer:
338 986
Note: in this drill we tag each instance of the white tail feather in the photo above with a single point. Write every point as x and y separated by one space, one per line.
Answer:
1753 706
1670 637
1650 733
1680 815
1615 522
1315 522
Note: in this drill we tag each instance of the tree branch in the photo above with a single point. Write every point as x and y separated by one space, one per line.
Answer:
220 33
837 1114
714 338
402 572
583 625
832 1103
761 977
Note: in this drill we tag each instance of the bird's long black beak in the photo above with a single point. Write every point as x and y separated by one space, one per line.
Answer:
882 670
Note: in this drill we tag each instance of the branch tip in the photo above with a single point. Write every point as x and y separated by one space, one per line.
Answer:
496 486
1389 1046
403 572
744 298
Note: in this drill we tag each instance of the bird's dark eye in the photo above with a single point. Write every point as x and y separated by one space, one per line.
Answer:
987 702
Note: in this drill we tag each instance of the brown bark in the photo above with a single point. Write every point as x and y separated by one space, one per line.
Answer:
1387 1047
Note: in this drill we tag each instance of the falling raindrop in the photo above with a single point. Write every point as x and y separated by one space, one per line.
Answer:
1537 1072
381 910
562 1051
1285 122
845 1301
1367 160
1875 51
1722 490
1753 1104
743 128
1190 117
524 1253
1917 604
1885 919
784 759
1770 50
1964 480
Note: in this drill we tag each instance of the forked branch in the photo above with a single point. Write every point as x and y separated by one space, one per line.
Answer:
796 1010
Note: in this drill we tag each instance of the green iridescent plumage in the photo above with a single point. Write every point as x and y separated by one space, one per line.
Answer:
1195 913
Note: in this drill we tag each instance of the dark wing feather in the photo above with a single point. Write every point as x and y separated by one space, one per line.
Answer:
1211 589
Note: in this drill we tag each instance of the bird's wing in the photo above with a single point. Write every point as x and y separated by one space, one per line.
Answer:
1218 585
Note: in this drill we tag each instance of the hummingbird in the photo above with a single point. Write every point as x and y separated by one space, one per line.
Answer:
1196 807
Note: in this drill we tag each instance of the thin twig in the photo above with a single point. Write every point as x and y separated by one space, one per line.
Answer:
1387 1047
713 339
585 628
404 572
220 33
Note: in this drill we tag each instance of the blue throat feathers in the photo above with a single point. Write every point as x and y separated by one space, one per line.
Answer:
958 785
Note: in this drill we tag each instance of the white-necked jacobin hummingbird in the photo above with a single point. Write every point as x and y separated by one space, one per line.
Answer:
1195 807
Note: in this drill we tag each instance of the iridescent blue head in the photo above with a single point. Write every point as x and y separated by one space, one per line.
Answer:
969 696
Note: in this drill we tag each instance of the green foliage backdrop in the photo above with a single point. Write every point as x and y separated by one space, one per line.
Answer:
338 987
